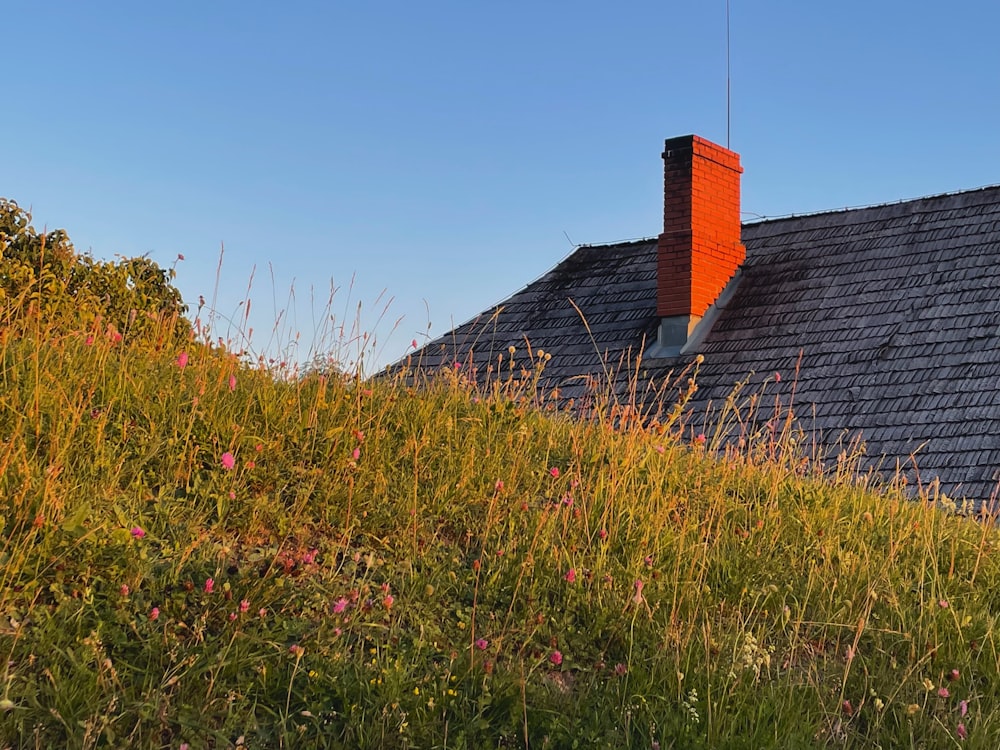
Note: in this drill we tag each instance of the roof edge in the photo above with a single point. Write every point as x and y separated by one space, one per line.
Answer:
763 219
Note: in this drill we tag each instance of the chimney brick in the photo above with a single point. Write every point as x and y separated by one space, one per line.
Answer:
700 249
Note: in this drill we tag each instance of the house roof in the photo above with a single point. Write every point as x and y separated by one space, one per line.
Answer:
885 321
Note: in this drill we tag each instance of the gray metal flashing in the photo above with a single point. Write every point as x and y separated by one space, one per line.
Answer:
684 334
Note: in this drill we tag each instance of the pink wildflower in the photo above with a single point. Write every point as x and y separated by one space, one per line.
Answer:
182 360
498 487
556 658
777 377
388 601
620 669
209 585
963 708
700 438
232 383
244 605
251 464
262 613
943 604
89 341
637 599
649 561
340 605
154 613
296 650
954 675
413 344
123 589
228 461
137 532
602 534
482 643
356 454
961 731
570 575
554 471
659 448
943 692
232 616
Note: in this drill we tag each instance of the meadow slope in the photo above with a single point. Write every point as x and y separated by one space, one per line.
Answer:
197 553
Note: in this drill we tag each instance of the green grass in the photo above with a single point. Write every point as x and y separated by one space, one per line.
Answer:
386 566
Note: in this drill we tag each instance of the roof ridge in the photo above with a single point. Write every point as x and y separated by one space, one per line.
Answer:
615 243
763 219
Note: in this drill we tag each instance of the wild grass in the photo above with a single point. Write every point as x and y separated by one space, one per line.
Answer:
197 552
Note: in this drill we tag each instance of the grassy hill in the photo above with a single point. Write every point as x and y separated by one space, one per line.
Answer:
202 551
198 551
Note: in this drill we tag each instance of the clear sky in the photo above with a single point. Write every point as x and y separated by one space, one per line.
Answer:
444 154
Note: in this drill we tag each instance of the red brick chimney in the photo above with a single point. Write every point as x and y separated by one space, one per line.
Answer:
699 250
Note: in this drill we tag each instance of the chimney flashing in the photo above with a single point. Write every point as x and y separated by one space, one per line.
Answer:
684 334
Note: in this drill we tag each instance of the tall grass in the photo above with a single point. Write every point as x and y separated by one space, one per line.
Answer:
199 552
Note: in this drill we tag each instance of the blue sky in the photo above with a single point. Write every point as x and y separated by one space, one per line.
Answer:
439 154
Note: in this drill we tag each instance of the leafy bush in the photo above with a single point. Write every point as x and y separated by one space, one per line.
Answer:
42 276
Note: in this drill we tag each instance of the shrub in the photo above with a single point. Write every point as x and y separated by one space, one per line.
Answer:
43 278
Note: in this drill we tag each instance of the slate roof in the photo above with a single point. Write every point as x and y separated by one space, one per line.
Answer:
890 315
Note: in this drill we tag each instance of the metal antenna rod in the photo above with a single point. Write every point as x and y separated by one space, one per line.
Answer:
728 78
